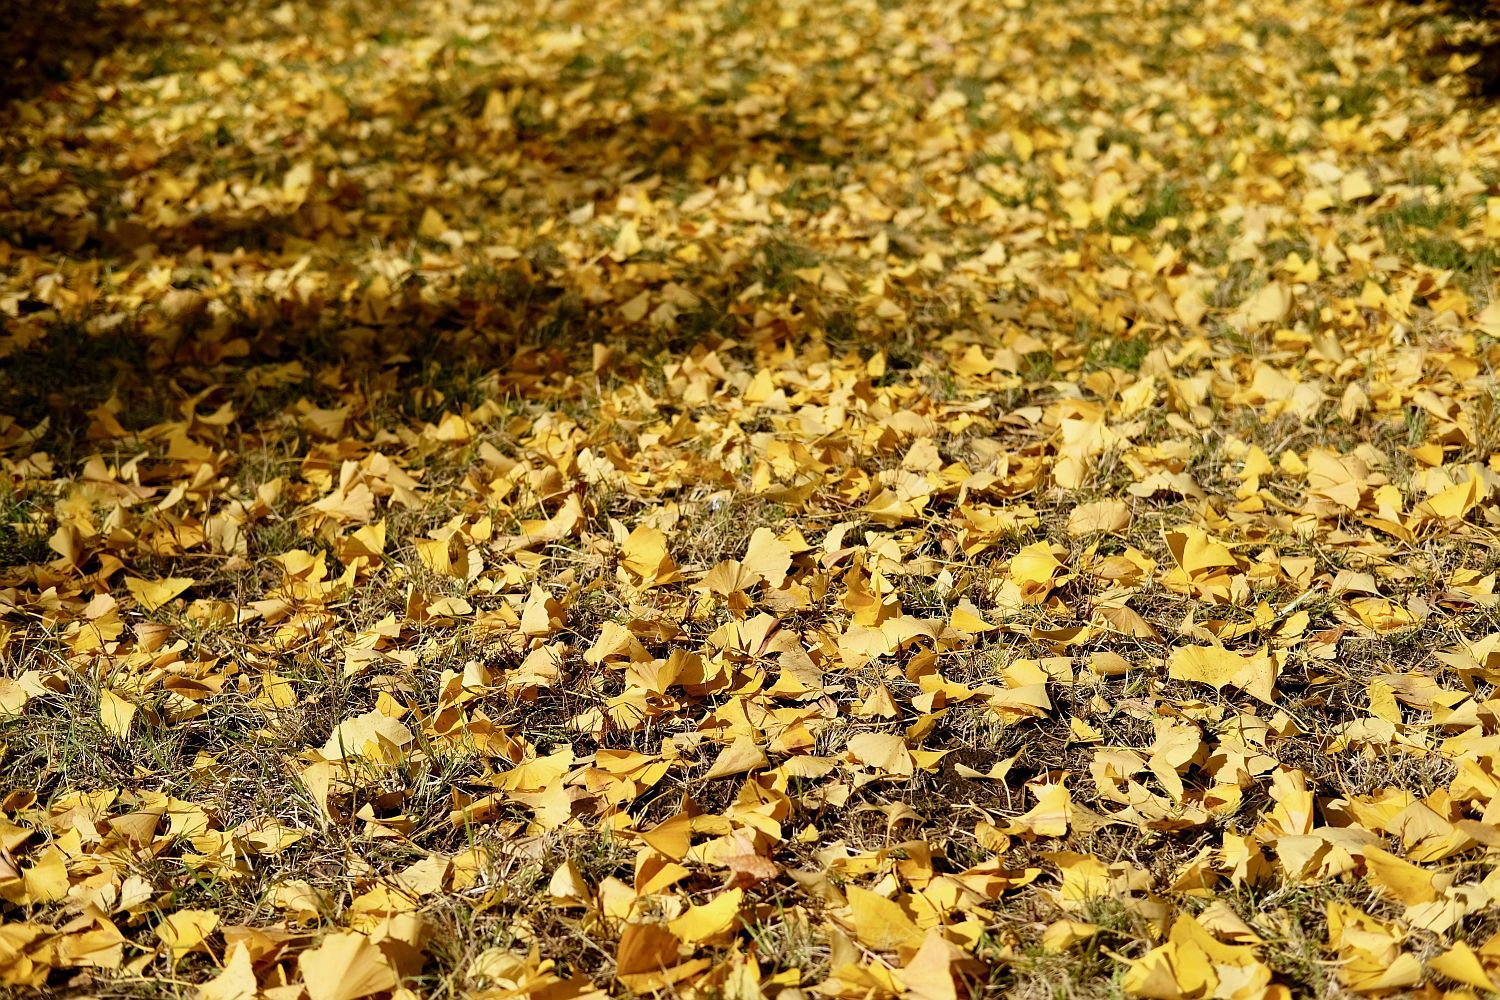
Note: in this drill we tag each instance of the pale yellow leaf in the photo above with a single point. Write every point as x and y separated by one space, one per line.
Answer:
882 751
346 966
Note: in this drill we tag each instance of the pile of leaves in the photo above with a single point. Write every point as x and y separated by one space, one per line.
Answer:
749 500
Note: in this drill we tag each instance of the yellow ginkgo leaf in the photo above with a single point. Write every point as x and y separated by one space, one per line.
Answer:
186 930
1050 817
1355 185
1270 304
152 594
432 225
345 966
645 948
740 756
882 751
1064 935
1220 668
568 884
1196 553
236 981
115 713
768 557
933 973
542 614
627 242
966 618
543 531
644 556
1456 501
1193 963
1101 517
716 917
367 735
1488 319
1461 964
1399 878
881 924
1034 569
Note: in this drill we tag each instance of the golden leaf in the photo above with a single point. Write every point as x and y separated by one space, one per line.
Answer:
345 966
880 923
1220 668
152 594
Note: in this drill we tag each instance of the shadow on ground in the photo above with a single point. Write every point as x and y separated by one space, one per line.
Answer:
1469 29
529 307
44 43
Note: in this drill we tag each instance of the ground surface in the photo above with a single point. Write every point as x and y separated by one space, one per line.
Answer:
748 499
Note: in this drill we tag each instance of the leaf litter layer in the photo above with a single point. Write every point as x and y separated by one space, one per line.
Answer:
753 500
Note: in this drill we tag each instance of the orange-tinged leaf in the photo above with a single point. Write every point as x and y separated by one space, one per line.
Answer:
645 948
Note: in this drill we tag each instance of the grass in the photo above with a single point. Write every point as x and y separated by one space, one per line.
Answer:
1166 202
1423 230
775 262
22 538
